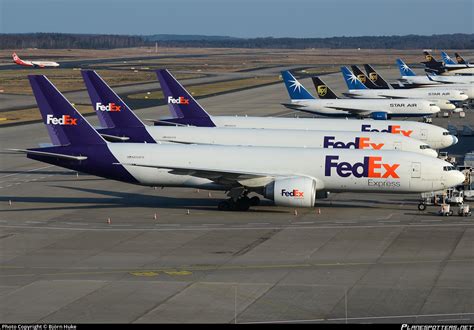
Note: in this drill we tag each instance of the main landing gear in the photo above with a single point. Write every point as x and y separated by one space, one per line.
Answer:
238 201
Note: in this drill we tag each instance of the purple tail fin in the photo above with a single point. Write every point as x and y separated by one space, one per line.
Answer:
66 126
114 114
110 108
182 105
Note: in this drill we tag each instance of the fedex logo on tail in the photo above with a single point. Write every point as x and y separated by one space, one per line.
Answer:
358 143
64 120
295 193
111 107
370 167
179 100
394 129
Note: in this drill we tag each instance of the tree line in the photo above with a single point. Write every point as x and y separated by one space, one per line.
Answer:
102 41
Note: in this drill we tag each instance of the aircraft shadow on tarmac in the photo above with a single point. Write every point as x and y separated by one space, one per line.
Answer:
123 199
39 172
118 199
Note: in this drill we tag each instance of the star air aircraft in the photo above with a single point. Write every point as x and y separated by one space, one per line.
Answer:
383 109
358 90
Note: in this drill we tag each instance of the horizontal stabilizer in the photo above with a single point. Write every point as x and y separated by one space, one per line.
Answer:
114 138
48 154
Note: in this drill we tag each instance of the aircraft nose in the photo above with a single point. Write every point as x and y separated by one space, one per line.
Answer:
431 153
450 106
435 109
455 140
456 178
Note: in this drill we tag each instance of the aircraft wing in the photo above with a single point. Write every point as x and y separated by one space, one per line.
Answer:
164 121
392 96
349 109
114 138
226 177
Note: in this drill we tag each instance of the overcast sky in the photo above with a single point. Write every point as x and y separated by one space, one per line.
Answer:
239 18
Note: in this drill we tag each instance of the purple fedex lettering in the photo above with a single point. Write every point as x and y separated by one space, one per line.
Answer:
369 168
330 143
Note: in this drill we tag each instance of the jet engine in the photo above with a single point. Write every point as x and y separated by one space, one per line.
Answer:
292 191
379 115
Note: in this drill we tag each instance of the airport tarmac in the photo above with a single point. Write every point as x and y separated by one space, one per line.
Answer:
76 248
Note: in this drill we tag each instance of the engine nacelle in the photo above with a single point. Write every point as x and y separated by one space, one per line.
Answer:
293 191
379 115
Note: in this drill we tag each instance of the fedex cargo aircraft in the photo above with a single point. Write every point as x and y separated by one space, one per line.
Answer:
119 123
38 64
289 176
192 113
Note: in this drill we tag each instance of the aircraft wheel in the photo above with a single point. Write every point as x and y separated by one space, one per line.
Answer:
421 207
243 204
450 213
224 206
254 201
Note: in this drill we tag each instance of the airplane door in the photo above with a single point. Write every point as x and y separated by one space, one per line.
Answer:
424 134
416 170
397 145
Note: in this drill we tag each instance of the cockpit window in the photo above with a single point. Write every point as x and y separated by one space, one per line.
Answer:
432 104
424 146
445 133
448 168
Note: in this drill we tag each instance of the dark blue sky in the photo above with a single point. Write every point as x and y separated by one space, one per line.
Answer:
239 18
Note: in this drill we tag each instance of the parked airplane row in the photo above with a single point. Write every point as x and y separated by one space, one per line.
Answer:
291 161
370 95
447 66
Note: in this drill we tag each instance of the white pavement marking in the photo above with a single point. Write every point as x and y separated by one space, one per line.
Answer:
367 318
200 228
35 169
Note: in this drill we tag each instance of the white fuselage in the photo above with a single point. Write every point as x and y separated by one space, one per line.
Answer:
431 93
365 107
456 69
437 80
333 169
436 137
289 138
